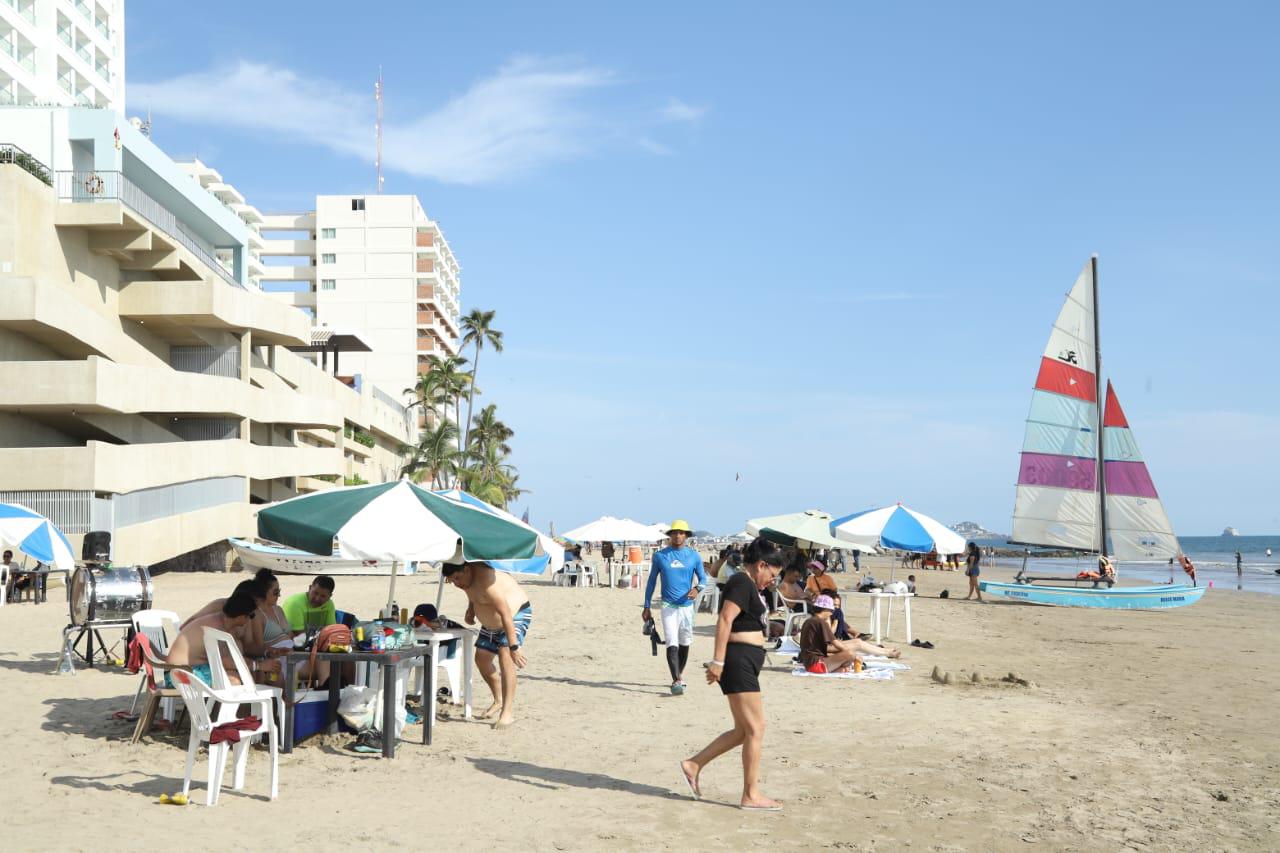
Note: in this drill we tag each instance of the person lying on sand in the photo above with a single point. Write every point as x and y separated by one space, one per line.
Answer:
505 615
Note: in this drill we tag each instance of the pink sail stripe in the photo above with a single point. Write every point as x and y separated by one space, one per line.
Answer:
1064 472
1131 479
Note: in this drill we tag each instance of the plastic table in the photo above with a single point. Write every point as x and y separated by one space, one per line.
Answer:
877 609
420 656
434 639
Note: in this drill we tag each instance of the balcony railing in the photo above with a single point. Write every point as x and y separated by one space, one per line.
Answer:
101 26
15 156
27 11
91 187
64 35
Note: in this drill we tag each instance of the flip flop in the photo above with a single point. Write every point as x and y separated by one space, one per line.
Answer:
693 788
917 644
761 808
926 645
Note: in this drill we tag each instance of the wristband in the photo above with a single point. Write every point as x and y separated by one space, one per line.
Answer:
514 648
718 663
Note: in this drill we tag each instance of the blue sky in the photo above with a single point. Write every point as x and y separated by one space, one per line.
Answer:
752 259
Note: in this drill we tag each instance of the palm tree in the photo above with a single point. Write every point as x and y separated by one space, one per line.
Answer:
488 431
478 330
435 456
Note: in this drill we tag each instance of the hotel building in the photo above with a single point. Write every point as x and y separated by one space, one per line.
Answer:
149 387
62 52
375 265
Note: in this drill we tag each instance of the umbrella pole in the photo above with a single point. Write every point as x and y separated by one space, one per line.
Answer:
391 590
440 589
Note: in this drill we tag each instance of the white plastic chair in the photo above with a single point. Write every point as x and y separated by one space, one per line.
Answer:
586 575
198 697
793 616
158 626
710 594
246 691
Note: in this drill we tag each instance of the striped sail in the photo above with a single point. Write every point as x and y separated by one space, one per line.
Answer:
1137 526
1057 499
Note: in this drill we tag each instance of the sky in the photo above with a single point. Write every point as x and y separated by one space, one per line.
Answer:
752 259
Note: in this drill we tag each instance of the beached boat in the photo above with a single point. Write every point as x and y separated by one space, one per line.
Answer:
290 561
1082 483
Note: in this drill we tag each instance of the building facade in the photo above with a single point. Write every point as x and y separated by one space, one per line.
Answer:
376 265
149 388
62 52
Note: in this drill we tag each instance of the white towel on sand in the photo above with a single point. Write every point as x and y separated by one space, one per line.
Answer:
865 675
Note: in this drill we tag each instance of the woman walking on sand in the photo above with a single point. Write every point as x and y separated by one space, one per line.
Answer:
972 561
739 656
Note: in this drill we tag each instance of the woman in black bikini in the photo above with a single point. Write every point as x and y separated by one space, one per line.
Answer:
739 656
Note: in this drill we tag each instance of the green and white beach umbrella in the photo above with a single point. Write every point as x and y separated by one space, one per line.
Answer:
808 529
397 522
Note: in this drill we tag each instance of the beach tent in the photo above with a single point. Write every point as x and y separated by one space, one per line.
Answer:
610 529
396 521
808 529
34 535
897 527
553 559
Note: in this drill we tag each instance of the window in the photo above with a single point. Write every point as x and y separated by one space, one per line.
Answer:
328 233
357 204
328 259
328 284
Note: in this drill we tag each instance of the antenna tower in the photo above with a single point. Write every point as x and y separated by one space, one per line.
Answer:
377 96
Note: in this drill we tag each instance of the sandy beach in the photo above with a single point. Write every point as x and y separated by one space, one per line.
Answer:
1143 730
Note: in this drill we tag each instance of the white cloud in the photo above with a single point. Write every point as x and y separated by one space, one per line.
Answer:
531 112
678 110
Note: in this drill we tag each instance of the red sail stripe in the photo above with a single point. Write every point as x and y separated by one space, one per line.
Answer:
1112 414
1064 379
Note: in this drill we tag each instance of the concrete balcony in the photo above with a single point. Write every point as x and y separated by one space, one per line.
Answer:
175 306
101 467
289 248
427 344
99 386
296 298
288 222
425 264
297 272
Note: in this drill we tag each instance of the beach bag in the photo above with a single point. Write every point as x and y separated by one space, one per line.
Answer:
329 636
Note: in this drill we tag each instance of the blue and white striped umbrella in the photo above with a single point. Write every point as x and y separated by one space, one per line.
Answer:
899 528
553 559
34 535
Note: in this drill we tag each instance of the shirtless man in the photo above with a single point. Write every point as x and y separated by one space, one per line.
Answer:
504 612
188 652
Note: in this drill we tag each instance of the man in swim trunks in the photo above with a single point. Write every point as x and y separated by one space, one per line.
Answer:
504 613
188 652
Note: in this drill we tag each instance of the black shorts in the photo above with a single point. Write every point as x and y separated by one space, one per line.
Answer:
742 665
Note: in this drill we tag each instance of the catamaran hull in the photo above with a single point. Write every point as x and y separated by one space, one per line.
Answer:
1116 598
287 561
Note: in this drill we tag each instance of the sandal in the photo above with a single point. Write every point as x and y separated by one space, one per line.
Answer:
917 644
368 742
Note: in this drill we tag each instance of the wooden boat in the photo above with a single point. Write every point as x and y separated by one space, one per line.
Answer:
1082 483
290 561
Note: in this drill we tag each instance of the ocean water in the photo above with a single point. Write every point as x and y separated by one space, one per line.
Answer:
1214 558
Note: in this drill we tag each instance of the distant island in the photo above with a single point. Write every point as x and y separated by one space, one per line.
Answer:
1231 531
973 530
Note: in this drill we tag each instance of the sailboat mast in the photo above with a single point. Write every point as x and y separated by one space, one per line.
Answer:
1097 377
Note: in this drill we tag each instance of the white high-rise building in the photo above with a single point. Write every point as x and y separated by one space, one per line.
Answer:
375 265
62 53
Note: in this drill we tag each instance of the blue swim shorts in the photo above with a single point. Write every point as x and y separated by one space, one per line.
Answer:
491 641
200 671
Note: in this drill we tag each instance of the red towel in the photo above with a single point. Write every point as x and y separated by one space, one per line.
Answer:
230 732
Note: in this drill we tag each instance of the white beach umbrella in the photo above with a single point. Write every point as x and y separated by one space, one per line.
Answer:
34 535
610 529
811 528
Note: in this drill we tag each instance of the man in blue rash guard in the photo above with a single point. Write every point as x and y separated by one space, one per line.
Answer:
680 569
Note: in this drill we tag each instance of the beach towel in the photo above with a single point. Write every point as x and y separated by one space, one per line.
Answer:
865 675
880 662
230 732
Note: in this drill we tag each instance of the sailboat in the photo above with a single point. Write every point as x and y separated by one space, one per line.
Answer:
1082 482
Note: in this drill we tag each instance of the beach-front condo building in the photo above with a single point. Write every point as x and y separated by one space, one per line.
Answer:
147 386
378 266
62 52
209 178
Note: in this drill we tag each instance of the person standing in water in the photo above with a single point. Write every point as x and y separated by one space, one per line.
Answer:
680 569
738 659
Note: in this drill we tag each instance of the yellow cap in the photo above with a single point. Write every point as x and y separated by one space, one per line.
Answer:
679 524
